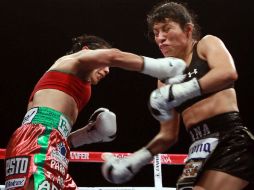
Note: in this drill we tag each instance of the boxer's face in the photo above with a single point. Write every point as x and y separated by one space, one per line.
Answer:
98 74
171 38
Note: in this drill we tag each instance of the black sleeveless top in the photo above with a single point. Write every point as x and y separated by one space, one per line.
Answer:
197 69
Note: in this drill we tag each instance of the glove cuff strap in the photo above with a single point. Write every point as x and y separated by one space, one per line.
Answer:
144 155
150 67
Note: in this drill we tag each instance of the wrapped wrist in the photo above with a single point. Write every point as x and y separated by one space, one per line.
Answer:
150 67
163 68
186 90
141 157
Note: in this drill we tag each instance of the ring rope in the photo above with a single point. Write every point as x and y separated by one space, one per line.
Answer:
97 157
82 156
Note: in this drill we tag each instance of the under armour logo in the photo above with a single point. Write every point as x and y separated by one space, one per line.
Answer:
194 72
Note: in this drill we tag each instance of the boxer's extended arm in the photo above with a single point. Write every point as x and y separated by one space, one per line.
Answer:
162 68
167 136
100 128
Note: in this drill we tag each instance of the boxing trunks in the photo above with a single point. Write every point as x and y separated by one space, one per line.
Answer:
39 150
220 143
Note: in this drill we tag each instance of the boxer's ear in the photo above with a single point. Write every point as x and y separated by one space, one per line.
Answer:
188 29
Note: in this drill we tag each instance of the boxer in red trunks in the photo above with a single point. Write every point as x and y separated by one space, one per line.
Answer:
38 152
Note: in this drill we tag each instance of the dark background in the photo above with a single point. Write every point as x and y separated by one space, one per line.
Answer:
35 33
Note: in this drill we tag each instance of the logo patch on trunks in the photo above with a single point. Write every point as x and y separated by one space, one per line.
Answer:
30 115
202 148
12 183
45 185
62 149
16 165
59 161
191 169
64 127
199 132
